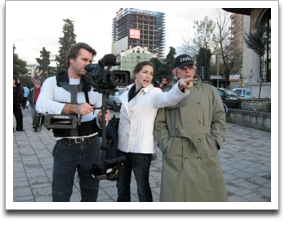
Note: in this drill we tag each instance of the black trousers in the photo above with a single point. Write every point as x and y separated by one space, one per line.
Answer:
24 102
18 116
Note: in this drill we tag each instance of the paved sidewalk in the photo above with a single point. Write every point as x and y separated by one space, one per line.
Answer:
245 158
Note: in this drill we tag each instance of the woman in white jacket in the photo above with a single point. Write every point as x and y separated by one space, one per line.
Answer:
140 103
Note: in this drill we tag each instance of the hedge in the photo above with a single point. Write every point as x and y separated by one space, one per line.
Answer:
232 103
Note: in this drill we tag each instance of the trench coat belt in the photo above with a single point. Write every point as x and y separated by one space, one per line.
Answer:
187 132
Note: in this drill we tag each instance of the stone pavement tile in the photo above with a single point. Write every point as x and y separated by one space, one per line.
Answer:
154 183
134 197
21 184
156 190
155 196
47 198
267 185
238 166
38 180
258 180
75 197
44 192
243 174
21 192
242 192
31 161
266 175
229 177
264 168
110 190
113 198
249 185
232 171
18 169
31 175
104 198
253 171
245 162
256 197
226 167
29 198
231 187
264 191
18 175
33 168
235 198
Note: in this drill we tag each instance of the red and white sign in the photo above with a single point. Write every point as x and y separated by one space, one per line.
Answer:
234 78
135 33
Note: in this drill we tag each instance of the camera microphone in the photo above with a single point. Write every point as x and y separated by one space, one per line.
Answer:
108 59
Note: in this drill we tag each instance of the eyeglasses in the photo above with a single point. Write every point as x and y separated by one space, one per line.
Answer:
188 66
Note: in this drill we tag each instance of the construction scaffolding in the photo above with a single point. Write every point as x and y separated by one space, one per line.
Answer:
150 24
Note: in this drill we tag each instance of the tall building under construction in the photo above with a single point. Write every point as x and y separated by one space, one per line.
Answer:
135 27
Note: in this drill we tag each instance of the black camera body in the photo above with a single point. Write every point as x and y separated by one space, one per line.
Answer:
112 168
103 79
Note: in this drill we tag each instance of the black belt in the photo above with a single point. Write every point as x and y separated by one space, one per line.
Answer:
78 139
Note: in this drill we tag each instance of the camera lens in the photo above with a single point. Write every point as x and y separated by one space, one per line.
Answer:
117 78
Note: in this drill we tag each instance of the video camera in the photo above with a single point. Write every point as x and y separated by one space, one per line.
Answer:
104 79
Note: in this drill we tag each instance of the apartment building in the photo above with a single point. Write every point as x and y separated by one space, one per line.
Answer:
135 27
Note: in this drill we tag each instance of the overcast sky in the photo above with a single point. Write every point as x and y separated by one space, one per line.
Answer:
39 24
32 25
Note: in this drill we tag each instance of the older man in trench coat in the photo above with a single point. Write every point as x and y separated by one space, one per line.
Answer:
190 135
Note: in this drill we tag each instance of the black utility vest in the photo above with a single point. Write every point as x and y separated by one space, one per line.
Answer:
85 128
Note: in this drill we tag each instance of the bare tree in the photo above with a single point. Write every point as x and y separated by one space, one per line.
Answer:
229 44
217 36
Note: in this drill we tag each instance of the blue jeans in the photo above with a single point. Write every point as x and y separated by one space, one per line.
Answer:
140 164
69 156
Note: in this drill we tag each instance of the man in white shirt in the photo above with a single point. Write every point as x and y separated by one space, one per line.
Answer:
69 93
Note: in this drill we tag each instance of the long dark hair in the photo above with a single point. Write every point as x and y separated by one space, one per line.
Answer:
74 50
15 78
139 67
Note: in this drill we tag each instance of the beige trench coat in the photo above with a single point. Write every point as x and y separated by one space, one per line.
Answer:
189 136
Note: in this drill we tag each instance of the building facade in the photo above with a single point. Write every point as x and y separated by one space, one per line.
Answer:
134 27
130 58
256 72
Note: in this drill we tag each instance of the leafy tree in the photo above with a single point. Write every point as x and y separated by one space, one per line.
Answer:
156 62
18 65
66 42
44 69
204 34
27 80
203 60
258 40
203 37
164 69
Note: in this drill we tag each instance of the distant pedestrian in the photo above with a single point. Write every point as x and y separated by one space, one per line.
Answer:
17 97
155 84
25 94
165 85
32 98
